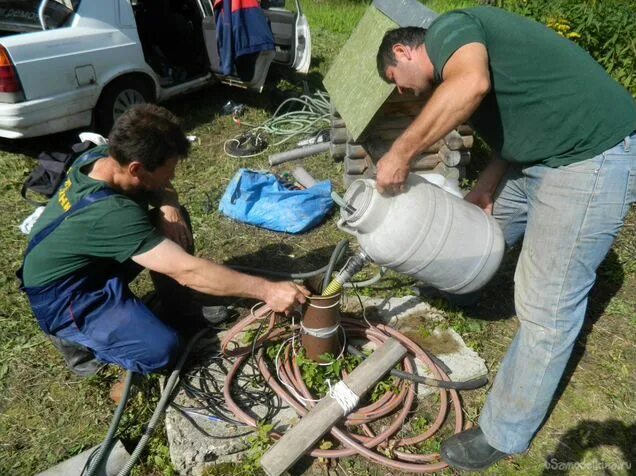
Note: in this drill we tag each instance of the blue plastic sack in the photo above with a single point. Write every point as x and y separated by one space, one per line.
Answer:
260 199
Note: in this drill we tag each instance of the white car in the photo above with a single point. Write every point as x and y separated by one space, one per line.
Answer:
66 64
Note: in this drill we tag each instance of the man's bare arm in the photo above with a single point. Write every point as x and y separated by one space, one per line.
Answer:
466 83
483 193
172 224
214 279
166 196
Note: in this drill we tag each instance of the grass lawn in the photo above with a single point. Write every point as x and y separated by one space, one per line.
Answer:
48 415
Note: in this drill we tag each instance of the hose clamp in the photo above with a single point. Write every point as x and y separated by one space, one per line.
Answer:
321 333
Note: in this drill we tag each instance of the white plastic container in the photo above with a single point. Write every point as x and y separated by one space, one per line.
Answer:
425 232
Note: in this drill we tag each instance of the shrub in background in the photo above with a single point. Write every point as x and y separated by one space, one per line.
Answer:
605 28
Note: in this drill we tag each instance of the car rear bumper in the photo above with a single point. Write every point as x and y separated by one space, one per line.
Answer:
47 115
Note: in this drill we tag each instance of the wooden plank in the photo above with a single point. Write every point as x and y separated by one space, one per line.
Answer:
408 97
302 437
411 108
339 135
395 122
355 166
465 129
449 172
388 136
353 83
454 140
468 142
377 147
356 151
426 162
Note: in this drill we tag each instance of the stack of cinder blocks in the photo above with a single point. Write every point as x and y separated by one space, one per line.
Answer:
368 114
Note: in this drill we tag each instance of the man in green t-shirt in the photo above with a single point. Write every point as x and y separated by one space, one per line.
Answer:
563 177
96 234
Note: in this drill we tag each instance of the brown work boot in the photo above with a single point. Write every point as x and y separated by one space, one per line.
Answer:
117 389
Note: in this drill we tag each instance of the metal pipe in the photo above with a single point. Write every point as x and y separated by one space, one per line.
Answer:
303 177
300 153
320 327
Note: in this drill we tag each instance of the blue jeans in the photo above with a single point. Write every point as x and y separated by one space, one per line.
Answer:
568 218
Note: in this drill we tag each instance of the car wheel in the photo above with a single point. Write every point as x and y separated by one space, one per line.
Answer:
116 98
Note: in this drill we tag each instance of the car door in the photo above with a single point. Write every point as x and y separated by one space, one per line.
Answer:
292 39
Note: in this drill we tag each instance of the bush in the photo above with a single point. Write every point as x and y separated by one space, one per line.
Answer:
605 28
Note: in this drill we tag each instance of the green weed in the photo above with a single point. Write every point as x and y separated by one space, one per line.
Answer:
258 443
605 29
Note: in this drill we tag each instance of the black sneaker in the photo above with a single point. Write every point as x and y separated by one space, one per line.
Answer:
470 451
177 312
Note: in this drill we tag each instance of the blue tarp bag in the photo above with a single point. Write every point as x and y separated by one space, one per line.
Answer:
260 199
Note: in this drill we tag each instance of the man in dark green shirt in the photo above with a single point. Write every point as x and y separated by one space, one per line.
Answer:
96 234
563 178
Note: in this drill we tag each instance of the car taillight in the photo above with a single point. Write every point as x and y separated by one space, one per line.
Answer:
9 81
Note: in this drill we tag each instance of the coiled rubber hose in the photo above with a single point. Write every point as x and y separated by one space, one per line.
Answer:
286 380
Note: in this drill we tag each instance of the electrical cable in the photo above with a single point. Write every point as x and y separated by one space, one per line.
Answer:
287 381
353 442
270 331
466 385
245 145
279 274
166 396
368 282
327 270
335 257
293 117
201 385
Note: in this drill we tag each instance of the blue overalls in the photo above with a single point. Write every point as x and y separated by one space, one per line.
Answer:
95 308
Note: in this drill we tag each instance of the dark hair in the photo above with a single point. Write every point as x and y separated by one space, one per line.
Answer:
149 134
411 36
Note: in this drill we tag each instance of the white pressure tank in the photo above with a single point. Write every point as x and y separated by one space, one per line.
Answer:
426 233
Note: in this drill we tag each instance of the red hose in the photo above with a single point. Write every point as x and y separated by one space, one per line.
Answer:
352 443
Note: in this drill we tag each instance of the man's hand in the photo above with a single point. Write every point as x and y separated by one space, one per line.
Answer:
391 175
483 193
483 200
283 296
174 227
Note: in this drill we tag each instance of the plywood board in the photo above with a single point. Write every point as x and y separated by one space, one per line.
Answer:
352 82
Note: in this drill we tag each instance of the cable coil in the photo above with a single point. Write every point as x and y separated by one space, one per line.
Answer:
294 117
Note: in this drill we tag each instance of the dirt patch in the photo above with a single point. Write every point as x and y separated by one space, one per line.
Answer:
437 341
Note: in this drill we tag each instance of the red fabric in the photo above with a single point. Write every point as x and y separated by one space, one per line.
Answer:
240 4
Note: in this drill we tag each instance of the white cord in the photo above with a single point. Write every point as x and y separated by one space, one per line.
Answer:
364 311
345 397
289 387
324 307
342 350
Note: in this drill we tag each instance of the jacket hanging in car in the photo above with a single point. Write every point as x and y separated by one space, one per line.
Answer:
242 29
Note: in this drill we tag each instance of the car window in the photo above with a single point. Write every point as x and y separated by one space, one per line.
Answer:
22 15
